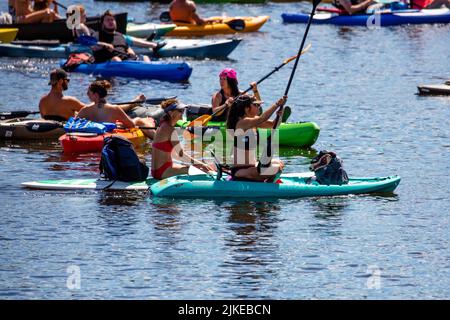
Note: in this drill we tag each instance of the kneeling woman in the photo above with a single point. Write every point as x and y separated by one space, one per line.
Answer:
244 120
166 145
101 111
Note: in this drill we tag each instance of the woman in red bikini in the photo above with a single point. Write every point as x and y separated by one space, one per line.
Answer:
166 145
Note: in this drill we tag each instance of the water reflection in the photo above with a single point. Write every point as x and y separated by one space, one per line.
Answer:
115 211
251 249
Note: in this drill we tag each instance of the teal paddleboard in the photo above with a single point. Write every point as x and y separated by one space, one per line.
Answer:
293 185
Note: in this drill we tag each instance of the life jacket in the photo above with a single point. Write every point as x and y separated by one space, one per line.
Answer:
87 126
420 4
119 161
328 169
75 59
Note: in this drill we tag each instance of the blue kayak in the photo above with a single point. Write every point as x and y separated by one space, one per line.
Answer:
393 18
176 72
292 185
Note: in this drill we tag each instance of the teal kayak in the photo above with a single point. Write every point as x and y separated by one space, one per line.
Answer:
292 186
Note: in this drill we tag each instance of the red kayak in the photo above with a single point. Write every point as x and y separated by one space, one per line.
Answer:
77 142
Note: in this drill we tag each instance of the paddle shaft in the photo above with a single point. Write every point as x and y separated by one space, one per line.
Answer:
235 24
278 117
20 114
149 101
59 4
16 114
277 121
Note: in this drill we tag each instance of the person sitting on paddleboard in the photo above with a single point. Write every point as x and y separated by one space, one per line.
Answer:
229 90
184 11
22 12
112 45
54 105
101 111
243 119
166 145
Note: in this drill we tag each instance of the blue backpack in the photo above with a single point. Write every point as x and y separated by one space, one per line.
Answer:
119 161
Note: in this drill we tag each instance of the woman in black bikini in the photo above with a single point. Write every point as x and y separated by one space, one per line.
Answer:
244 120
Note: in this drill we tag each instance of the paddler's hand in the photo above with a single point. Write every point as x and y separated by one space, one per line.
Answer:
204 167
254 87
281 101
141 98
229 102
108 46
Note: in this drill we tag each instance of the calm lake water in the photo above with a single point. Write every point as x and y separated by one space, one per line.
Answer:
358 84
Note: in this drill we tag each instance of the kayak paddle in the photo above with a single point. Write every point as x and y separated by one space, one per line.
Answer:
90 41
60 5
147 101
266 162
16 114
235 24
23 114
204 119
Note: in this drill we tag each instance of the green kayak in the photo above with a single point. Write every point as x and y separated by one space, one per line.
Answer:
292 134
293 185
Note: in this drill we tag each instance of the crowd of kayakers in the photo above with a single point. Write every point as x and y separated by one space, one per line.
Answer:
241 112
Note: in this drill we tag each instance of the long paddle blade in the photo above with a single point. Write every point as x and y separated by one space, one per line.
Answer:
200 121
16 114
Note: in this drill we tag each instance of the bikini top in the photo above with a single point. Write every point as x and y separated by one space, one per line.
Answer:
165 146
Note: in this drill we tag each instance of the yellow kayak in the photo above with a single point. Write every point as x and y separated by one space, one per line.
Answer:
220 25
8 34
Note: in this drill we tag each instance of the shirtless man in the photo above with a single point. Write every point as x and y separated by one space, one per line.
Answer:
185 11
56 106
23 13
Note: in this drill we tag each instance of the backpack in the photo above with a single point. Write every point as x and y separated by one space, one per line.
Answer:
119 161
75 59
328 169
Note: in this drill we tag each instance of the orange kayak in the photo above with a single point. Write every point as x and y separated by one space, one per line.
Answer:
220 25
86 142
